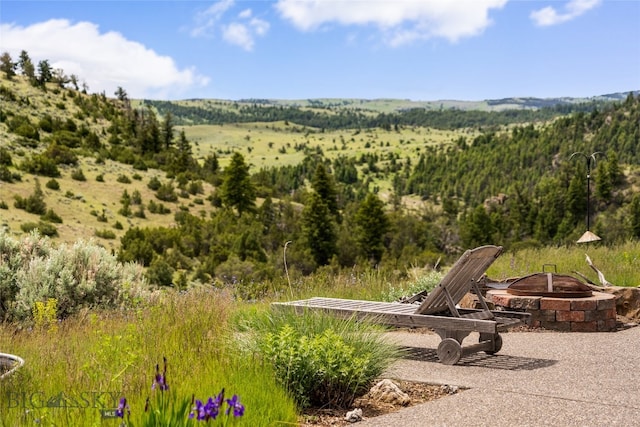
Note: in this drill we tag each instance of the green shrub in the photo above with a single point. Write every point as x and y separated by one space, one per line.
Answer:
34 204
51 216
154 183
82 275
40 164
124 179
158 208
52 184
100 178
22 126
61 154
423 283
160 272
3 205
43 228
166 193
105 234
5 174
321 360
78 175
5 157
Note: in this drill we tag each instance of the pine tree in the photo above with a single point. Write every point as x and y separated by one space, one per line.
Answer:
476 228
7 66
371 226
167 131
324 186
26 65
634 216
237 191
319 229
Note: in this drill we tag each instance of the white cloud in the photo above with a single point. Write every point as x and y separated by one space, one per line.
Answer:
245 14
103 60
241 32
401 22
207 20
238 34
549 16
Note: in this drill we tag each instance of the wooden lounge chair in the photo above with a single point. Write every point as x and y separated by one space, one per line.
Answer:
438 311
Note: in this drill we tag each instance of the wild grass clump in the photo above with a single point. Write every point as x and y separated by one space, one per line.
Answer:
99 357
82 275
321 360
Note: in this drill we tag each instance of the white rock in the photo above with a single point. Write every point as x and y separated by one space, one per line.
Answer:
387 391
354 416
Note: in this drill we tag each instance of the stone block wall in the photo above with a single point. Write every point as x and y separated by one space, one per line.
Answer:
596 313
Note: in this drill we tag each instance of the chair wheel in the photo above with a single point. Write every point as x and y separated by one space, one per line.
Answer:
449 351
497 340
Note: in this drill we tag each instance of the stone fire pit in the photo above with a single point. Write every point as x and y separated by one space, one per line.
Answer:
596 313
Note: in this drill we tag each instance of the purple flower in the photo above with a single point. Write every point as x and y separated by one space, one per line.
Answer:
234 403
160 380
210 410
122 406
205 411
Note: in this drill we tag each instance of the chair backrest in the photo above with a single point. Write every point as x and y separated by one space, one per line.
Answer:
458 281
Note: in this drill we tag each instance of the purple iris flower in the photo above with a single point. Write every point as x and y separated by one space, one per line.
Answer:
122 406
205 411
234 403
211 409
160 380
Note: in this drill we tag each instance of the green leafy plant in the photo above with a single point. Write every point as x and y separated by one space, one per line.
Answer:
321 360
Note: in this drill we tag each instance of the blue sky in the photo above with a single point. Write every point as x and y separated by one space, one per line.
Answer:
297 49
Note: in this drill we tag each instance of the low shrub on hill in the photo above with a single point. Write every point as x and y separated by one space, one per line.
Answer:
81 275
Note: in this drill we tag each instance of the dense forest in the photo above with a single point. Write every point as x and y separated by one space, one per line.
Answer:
519 182
215 113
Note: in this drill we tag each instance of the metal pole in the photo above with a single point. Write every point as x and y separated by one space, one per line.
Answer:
589 159
588 188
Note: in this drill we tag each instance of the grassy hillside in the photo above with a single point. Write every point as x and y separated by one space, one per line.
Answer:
87 206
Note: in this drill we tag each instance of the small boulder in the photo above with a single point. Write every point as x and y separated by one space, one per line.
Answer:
354 416
387 391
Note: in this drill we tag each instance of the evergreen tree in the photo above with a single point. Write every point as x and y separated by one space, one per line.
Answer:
45 73
324 186
26 66
167 131
319 229
371 226
183 161
7 66
613 168
604 183
634 216
576 198
237 190
476 228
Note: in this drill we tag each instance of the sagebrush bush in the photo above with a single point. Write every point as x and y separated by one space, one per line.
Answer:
321 360
421 284
82 275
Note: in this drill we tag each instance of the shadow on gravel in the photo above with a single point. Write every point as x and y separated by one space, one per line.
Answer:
497 361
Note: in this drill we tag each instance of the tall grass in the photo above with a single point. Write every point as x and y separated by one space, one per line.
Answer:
113 354
620 264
